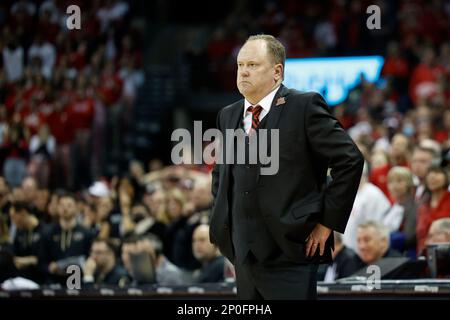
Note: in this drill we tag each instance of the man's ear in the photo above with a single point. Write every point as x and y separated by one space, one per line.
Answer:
278 72
385 242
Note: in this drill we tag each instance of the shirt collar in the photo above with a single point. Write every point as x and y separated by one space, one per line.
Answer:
265 102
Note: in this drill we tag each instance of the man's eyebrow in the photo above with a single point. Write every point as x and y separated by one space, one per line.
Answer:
246 61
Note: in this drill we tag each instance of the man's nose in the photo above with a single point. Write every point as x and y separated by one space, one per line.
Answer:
244 72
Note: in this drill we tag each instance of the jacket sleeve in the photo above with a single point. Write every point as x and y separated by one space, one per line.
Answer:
329 142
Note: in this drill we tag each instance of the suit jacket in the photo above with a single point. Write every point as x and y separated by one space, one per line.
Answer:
298 196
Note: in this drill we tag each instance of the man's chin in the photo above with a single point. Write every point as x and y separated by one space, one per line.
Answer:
244 90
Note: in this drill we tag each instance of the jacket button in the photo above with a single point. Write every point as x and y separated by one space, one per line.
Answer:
225 227
246 192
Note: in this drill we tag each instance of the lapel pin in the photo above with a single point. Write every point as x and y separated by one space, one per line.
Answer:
280 101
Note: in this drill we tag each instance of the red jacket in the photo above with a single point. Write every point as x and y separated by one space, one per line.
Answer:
426 215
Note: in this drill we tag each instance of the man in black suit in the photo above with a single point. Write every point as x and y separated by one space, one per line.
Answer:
276 228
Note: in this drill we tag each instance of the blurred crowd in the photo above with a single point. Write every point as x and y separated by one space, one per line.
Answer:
138 229
413 37
66 96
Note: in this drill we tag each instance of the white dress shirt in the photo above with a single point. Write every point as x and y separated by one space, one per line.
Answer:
265 103
370 204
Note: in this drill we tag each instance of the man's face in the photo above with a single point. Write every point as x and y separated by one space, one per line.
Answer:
42 199
29 188
67 208
101 254
104 207
421 161
156 200
256 73
371 246
18 218
399 145
202 248
437 236
174 208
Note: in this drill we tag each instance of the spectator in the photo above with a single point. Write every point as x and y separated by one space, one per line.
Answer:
42 147
65 243
401 217
378 159
422 159
399 154
112 11
50 6
437 205
370 204
9 279
345 261
154 199
179 232
13 61
101 267
373 243
141 222
213 263
4 196
81 113
27 241
150 246
107 221
423 79
15 156
62 128
46 53
439 232
30 188
41 204
24 5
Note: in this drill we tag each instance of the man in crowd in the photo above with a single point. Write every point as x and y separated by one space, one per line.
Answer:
101 267
373 242
213 263
27 241
66 242
145 262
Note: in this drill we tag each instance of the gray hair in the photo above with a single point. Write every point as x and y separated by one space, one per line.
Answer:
275 48
382 231
441 225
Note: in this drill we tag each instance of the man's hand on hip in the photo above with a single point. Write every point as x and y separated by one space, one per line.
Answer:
317 238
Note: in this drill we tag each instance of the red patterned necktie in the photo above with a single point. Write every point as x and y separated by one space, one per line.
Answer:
255 111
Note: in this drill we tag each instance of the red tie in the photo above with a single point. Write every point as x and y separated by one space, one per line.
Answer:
256 111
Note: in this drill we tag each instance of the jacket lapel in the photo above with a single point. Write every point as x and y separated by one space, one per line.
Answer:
276 108
273 117
235 120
